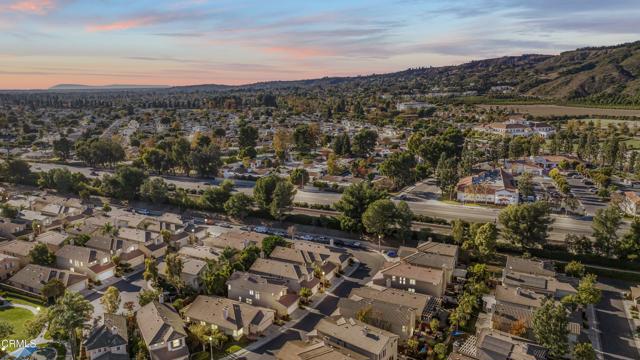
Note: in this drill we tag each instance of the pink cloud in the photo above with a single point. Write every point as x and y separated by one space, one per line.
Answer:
120 25
298 52
33 6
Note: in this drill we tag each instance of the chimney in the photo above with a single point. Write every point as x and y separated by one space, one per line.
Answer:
225 312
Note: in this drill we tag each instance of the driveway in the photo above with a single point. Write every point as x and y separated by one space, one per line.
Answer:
616 336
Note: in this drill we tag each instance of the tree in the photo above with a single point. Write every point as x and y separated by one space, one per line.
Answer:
263 190
215 197
440 349
154 190
550 327
247 140
174 270
54 288
16 171
379 218
525 185
526 225
447 175
341 145
239 205
299 177
218 338
70 313
588 294
271 242
404 220
578 244
111 300
8 211
629 246
400 168
484 242
200 333
155 159
282 202
124 183
412 345
364 142
6 329
605 226
304 138
206 161
62 148
214 278
147 296
459 230
354 202
584 351
35 325
281 142
41 255
305 294
574 268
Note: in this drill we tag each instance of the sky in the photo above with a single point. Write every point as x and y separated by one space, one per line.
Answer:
158 42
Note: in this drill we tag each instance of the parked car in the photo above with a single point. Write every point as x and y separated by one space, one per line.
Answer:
261 229
392 253
224 225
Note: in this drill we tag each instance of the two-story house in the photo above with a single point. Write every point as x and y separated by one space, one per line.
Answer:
254 289
232 317
163 331
95 264
108 340
354 335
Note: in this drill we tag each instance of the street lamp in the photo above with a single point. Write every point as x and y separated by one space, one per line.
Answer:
211 346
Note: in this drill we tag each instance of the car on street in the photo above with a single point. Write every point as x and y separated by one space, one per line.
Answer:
392 253
261 229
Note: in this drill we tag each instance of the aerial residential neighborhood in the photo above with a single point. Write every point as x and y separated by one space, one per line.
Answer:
321 180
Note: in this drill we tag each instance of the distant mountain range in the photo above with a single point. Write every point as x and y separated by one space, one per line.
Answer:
609 74
105 87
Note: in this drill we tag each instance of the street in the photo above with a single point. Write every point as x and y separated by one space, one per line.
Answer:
611 316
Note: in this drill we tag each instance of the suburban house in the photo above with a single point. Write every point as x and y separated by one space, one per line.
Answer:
430 260
19 249
109 340
491 344
127 251
518 126
631 203
163 332
336 255
191 270
234 318
53 239
635 295
234 239
32 278
489 187
412 278
305 258
199 252
424 306
95 264
8 266
150 243
315 350
256 290
535 275
359 337
296 276
398 319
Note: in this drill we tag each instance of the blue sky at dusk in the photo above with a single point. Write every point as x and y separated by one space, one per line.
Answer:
46 42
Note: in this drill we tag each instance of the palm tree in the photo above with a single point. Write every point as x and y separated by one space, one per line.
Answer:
70 313
218 338
109 229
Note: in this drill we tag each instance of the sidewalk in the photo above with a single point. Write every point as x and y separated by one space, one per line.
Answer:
633 323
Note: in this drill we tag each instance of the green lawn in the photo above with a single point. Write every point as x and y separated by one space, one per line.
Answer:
22 300
229 348
16 317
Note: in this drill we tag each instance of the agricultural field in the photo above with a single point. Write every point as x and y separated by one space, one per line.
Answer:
558 110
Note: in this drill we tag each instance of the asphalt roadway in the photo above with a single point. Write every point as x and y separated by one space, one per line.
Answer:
562 225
